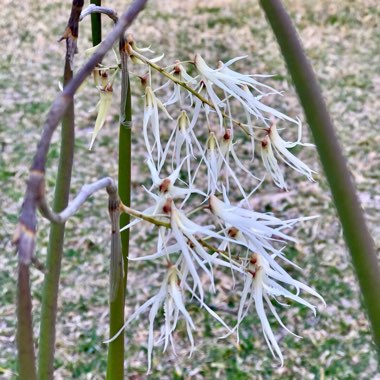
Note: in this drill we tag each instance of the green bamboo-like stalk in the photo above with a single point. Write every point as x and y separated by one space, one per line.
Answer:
357 236
55 248
115 360
96 24
61 199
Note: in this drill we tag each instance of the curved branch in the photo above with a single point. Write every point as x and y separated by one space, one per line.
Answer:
25 232
76 203
92 8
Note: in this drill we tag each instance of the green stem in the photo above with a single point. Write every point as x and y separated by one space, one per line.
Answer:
25 343
96 24
357 236
61 199
55 249
115 360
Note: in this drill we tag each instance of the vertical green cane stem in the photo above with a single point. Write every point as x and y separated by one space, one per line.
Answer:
115 361
351 215
96 25
61 199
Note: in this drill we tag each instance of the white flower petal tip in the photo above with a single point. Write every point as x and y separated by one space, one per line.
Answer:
151 117
231 82
104 108
170 298
134 52
273 143
261 284
166 188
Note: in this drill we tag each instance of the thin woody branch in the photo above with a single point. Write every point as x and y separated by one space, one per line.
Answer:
71 32
92 8
77 202
25 232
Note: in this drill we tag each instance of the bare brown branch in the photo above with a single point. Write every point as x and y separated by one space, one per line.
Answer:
71 32
92 8
25 342
76 203
25 232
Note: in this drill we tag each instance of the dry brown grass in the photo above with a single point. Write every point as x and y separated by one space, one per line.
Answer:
341 38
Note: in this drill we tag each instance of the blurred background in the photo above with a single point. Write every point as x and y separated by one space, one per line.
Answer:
342 40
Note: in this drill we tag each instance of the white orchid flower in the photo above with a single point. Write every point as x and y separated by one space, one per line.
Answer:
103 107
271 164
184 231
219 170
166 187
133 51
151 117
204 88
261 282
180 73
244 79
273 143
106 93
183 150
169 297
231 83
227 151
211 161
256 231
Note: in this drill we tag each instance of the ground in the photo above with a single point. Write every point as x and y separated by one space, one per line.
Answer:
341 40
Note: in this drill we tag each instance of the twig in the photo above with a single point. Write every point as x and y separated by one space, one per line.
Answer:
86 191
92 8
26 230
142 216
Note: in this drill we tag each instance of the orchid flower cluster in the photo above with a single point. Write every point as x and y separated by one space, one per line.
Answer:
194 173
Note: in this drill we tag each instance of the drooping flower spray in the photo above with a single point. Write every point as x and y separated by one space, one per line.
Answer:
193 181
201 189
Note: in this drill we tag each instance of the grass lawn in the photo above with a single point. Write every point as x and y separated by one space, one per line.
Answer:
342 40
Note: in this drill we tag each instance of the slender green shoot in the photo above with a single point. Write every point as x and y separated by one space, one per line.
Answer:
358 238
61 200
96 24
115 360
